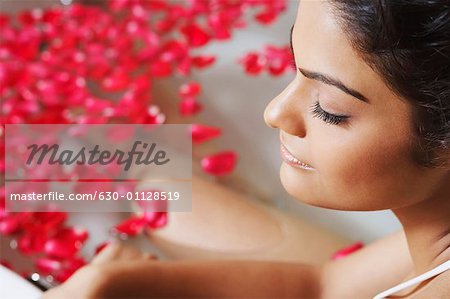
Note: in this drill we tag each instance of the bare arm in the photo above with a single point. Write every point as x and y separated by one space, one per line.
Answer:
116 273
191 279
361 275
218 279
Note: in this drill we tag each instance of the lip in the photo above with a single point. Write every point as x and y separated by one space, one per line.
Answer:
291 160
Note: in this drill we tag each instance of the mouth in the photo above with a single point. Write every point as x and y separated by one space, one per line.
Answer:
291 160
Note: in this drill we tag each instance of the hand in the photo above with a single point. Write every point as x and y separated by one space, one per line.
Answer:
91 280
117 252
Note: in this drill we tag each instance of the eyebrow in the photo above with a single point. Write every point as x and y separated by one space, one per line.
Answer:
327 79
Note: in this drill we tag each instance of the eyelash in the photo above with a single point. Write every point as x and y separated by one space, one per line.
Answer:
316 109
329 118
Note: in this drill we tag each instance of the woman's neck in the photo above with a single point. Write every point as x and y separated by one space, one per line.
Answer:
427 229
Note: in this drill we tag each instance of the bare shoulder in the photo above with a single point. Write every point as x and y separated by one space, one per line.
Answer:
438 287
373 269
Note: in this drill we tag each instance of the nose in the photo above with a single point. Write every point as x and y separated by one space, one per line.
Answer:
286 112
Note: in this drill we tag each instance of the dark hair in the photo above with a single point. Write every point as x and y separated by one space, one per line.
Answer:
407 42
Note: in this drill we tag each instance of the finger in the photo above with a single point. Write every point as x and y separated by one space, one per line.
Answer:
118 252
129 253
108 253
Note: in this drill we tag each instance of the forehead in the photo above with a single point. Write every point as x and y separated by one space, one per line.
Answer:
321 45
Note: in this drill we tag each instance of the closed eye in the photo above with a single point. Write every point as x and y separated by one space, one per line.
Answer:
327 117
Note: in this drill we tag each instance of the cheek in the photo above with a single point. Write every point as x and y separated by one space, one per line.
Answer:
362 171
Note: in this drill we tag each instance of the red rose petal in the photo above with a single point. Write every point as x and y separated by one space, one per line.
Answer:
66 243
158 220
253 63
31 242
100 247
48 265
116 82
219 164
201 133
277 70
9 225
203 61
195 35
190 89
131 226
347 250
161 68
266 17
189 106
184 66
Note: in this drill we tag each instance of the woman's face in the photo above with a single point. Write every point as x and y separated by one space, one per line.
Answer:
356 134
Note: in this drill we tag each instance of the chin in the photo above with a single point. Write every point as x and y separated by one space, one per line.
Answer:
304 187
301 184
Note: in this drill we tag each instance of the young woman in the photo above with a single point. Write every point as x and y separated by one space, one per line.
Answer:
364 125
